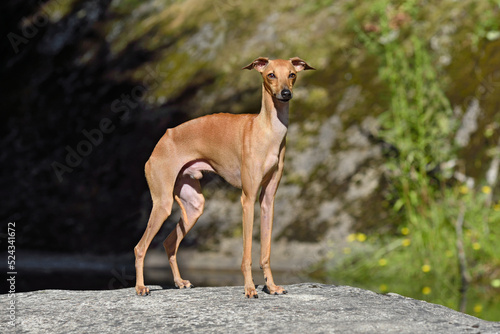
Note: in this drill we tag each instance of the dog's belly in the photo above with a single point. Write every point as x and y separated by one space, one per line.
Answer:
229 173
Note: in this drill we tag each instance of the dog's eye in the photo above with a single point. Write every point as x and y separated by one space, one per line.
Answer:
292 76
271 76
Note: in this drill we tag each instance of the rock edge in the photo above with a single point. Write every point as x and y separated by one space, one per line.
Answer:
308 307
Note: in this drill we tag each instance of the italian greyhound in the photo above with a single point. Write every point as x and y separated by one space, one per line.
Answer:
247 150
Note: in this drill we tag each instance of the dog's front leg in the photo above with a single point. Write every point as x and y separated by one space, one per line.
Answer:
248 202
266 225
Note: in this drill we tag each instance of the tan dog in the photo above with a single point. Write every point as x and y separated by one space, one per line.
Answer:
246 150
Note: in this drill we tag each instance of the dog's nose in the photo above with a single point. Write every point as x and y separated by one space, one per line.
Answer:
286 94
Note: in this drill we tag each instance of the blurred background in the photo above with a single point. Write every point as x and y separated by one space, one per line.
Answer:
391 173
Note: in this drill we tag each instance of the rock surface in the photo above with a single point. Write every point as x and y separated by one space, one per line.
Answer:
306 308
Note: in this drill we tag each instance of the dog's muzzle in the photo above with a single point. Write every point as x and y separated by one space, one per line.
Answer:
285 95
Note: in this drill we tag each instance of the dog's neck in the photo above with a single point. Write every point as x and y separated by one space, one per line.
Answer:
274 112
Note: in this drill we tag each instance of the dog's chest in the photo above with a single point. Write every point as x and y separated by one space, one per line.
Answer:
271 163
271 160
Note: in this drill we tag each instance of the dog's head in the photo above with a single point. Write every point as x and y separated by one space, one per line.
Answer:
279 75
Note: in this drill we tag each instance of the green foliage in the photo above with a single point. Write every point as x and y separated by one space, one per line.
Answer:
421 259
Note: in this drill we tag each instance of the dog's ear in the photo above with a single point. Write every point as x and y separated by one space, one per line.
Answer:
259 64
300 65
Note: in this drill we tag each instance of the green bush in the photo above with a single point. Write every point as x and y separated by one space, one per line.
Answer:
444 249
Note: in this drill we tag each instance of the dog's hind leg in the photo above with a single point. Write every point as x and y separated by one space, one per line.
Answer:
161 183
188 195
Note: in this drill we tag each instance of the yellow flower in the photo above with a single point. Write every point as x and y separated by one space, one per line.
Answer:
382 262
347 251
496 283
361 237
426 290
464 189
476 246
406 242
486 189
351 237
496 207
426 268
383 288
478 308
405 231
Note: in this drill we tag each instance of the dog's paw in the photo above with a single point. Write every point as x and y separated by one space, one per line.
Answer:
275 290
142 290
183 284
251 292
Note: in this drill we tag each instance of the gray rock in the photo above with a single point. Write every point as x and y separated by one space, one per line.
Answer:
307 308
